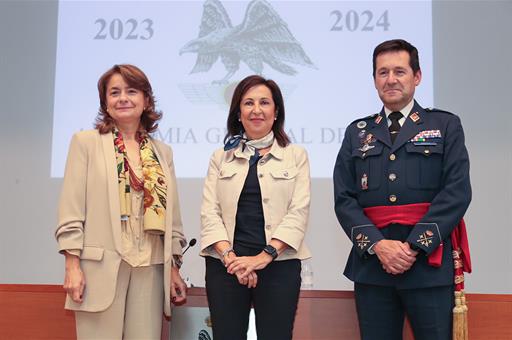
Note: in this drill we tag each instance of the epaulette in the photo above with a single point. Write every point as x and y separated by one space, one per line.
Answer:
433 109
365 118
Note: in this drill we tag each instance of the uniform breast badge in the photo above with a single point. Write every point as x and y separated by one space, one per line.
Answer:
364 182
366 142
427 138
426 238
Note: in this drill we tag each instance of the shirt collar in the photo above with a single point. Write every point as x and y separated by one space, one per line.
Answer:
276 150
405 110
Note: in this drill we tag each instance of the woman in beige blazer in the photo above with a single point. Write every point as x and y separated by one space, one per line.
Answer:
254 216
119 219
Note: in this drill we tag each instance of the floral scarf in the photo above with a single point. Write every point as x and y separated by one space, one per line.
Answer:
153 183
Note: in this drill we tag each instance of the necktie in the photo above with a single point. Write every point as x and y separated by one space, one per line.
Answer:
394 128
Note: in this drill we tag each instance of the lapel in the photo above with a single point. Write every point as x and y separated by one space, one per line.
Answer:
410 127
378 127
107 143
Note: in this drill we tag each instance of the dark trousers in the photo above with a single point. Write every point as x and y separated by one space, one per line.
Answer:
381 312
274 299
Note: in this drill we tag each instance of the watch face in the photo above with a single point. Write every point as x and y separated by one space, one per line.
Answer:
271 251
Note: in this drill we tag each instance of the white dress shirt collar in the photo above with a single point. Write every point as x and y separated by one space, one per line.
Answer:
406 110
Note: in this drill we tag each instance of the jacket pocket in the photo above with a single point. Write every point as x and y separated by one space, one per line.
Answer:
368 167
284 174
281 186
424 165
226 173
92 253
228 181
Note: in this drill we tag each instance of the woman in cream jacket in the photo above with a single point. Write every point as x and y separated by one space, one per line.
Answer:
254 216
119 219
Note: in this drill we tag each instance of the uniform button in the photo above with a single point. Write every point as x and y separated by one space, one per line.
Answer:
265 200
260 175
427 151
392 177
262 162
285 174
392 198
267 226
392 157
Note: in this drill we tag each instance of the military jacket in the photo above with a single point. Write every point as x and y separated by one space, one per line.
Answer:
428 162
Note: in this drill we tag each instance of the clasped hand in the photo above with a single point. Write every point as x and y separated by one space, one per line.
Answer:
245 267
396 257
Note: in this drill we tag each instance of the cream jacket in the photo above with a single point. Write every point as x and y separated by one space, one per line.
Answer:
283 175
89 217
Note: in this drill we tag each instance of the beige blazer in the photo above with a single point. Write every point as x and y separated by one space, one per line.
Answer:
284 180
89 217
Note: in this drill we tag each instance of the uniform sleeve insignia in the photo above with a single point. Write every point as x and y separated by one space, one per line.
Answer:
426 238
362 241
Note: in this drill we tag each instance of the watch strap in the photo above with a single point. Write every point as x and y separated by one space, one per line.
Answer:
269 249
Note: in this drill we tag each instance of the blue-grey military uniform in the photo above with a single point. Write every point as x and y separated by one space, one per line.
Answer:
427 163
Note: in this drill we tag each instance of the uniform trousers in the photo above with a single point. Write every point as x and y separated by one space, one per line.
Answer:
381 311
135 313
274 300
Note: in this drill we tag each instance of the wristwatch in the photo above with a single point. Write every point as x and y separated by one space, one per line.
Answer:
177 260
271 251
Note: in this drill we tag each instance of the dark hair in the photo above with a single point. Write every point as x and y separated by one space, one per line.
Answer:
235 127
396 45
135 78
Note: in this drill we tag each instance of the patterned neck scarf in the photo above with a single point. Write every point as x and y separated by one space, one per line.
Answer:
152 184
250 147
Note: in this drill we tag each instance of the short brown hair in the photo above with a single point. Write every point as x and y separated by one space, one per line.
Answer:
135 78
235 127
396 45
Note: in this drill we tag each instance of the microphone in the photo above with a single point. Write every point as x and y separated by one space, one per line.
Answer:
191 243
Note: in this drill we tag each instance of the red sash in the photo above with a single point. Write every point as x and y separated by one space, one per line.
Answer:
410 214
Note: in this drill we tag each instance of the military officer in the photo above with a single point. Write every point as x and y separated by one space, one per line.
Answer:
401 187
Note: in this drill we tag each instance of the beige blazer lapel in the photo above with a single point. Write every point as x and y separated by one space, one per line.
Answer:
113 188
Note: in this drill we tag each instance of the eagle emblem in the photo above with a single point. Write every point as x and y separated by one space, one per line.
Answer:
262 38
